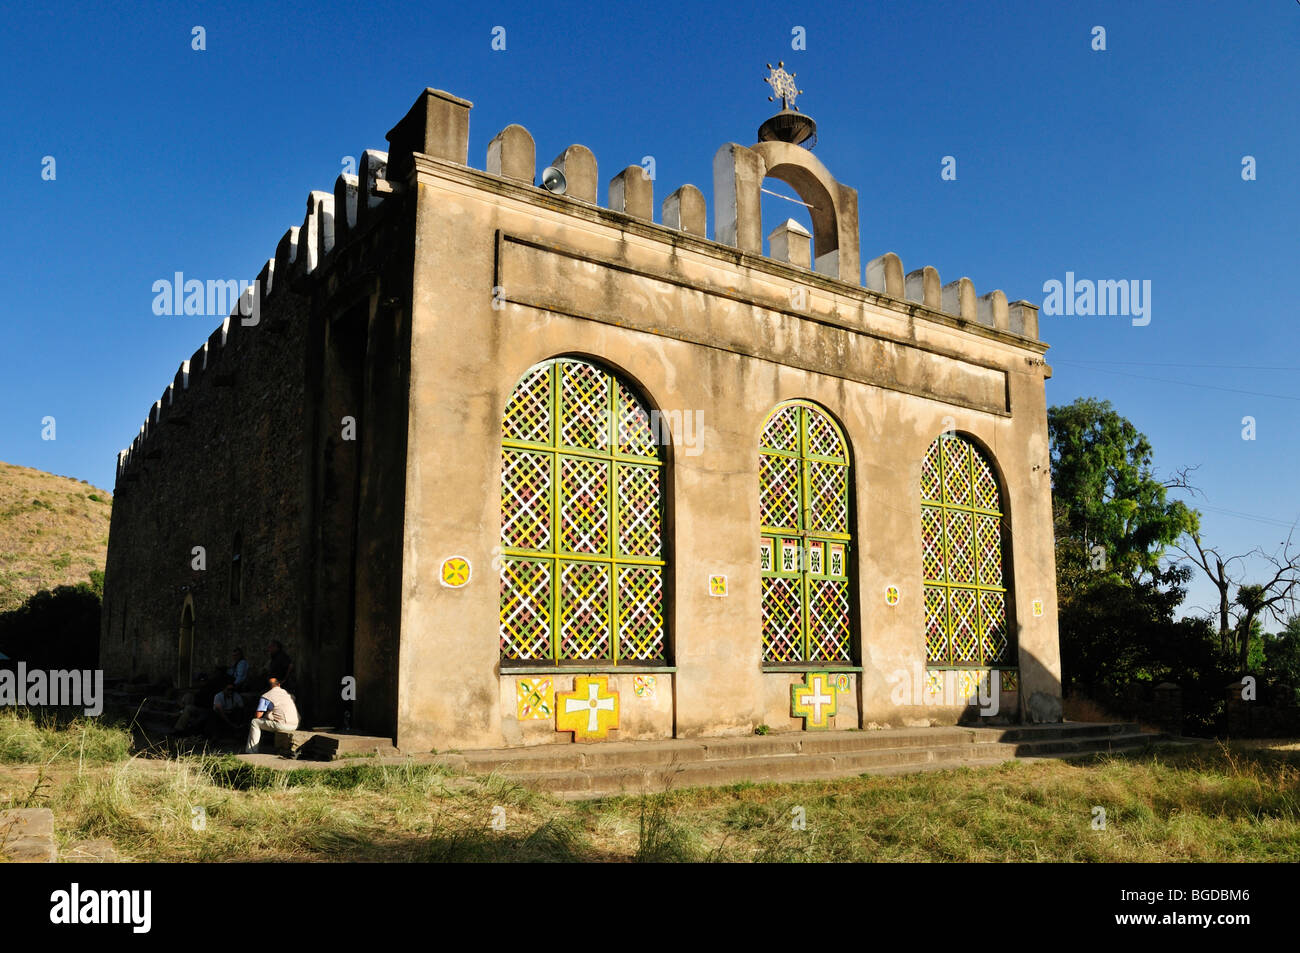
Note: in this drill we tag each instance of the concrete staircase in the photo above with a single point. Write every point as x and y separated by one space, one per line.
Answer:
579 771
155 711
312 745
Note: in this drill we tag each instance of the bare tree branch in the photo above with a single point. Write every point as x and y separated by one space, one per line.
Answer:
1179 480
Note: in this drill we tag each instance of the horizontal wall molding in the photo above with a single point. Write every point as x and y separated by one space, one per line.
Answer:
578 284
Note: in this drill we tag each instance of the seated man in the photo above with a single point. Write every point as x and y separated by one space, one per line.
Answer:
192 718
228 706
238 670
278 664
275 712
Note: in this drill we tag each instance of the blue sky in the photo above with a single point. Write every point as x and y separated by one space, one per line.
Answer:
1122 164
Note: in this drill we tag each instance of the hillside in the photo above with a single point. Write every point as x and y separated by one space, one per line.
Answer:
53 531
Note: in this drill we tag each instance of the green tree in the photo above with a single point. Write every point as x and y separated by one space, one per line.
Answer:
1282 657
1110 508
54 629
1116 599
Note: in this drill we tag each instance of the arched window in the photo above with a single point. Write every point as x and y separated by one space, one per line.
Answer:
803 486
582 568
961 546
185 646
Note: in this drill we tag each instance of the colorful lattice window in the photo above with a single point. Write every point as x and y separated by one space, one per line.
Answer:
803 475
961 556
582 568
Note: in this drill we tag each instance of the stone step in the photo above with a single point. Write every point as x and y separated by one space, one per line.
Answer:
1084 745
575 757
162 707
27 836
829 758
559 757
115 698
1066 730
330 746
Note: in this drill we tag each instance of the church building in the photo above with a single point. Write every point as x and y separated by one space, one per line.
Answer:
502 465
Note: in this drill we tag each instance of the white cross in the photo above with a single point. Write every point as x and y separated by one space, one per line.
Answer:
593 705
816 699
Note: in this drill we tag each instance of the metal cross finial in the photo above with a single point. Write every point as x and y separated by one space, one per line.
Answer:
782 84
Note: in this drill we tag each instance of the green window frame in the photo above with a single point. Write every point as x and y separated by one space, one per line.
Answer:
962 539
805 539
582 565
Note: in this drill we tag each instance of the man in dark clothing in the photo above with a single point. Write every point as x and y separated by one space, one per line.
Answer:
237 672
278 664
228 706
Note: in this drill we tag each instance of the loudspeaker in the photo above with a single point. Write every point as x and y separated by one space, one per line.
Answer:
553 180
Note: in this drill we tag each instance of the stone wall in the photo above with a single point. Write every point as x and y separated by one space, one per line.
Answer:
225 457
280 429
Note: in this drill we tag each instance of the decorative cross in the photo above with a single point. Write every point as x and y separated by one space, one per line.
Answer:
455 572
782 84
590 710
594 705
817 698
815 701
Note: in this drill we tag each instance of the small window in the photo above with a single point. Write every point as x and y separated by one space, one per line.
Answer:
236 570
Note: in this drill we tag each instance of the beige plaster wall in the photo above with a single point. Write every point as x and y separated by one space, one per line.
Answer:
695 326
641 717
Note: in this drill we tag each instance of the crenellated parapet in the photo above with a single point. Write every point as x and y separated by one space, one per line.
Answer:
331 219
437 127
957 298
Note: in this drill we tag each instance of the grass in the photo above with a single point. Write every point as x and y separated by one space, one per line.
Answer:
1225 803
41 739
51 528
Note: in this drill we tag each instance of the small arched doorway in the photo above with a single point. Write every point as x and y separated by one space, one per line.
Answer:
185 646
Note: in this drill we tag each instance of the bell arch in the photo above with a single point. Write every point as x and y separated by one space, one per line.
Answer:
738 174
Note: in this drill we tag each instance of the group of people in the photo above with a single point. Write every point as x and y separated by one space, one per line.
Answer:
275 709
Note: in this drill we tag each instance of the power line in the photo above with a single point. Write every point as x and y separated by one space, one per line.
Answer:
1238 367
1248 516
1165 380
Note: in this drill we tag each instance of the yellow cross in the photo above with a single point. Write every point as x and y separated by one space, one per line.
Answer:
589 711
815 701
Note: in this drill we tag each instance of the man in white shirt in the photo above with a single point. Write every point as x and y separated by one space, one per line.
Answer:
275 712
